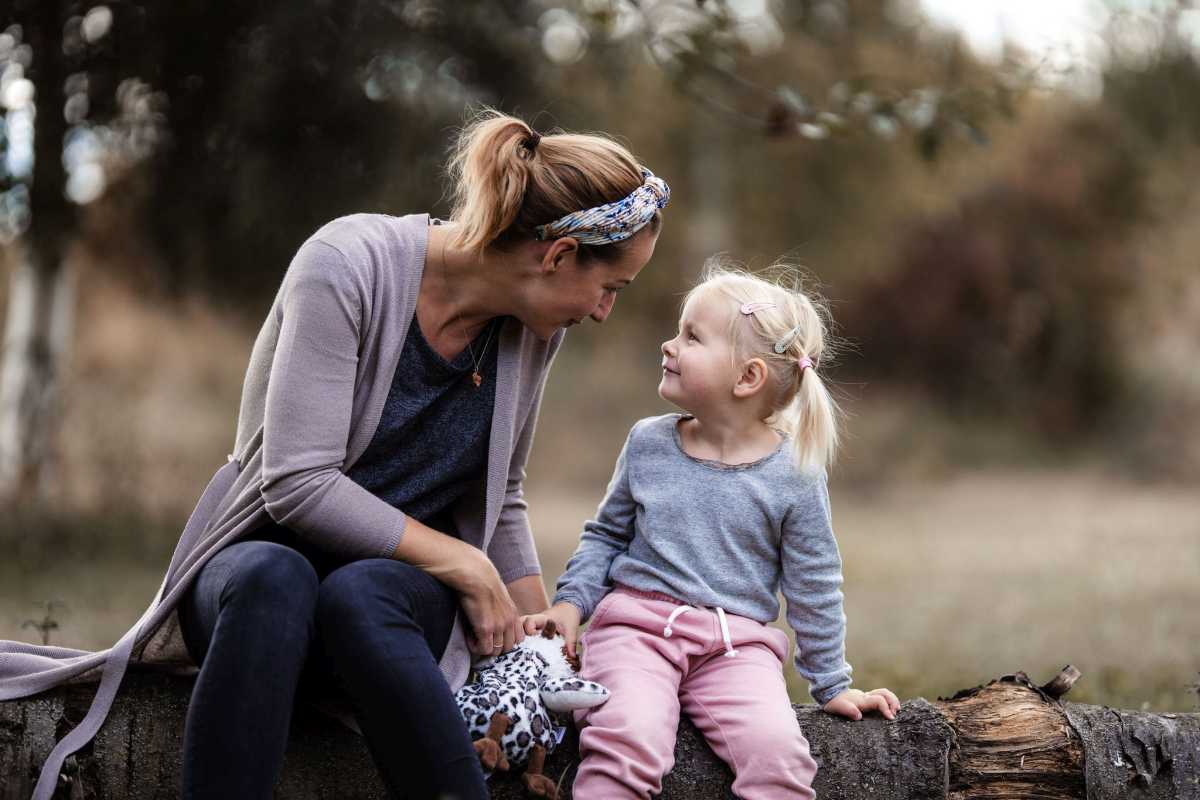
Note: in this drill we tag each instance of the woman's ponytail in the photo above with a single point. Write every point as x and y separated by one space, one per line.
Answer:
490 170
507 179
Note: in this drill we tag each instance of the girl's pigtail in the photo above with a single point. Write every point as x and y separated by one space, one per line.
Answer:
811 419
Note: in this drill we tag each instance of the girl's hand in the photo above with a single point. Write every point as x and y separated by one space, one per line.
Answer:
853 702
565 617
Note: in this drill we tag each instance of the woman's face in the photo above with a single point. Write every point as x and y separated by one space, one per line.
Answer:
567 292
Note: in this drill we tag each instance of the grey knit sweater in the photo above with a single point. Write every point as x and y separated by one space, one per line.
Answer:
711 534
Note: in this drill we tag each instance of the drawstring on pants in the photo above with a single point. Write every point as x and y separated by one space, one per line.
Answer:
667 631
729 651
674 614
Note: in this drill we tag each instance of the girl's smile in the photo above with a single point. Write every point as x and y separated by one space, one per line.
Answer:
697 364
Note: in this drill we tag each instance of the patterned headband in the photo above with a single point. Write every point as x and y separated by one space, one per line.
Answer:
612 222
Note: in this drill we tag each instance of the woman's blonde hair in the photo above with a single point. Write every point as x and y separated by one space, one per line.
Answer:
798 321
507 180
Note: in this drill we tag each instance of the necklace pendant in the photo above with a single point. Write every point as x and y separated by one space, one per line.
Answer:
476 379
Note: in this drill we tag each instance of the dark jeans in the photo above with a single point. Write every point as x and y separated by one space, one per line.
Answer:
269 616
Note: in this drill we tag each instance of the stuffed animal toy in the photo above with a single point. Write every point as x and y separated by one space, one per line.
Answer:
508 707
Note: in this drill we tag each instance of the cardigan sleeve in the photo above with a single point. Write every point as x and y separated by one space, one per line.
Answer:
512 548
307 414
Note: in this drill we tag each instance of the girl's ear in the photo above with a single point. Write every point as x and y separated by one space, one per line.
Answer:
752 378
559 253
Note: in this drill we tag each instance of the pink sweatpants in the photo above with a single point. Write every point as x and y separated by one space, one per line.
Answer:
740 703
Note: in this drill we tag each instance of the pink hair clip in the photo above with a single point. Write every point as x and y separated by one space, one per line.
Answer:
750 308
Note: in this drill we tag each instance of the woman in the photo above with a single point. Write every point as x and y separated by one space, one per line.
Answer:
376 486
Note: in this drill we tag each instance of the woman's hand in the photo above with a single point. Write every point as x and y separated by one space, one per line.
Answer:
494 618
565 617
853 702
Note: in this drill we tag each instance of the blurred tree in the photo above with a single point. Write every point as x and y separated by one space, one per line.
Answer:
295 118
37 210
257 122
724 56
1012 302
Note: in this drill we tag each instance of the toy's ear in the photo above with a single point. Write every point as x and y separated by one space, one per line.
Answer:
568 694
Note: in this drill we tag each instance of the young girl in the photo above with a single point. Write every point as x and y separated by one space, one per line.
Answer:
708 514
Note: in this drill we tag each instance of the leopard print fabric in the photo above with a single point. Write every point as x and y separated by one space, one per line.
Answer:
510 683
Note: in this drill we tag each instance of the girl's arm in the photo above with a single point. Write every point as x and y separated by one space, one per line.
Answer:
585 580
812 580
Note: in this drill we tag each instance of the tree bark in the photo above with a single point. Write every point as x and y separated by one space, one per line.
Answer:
1007 739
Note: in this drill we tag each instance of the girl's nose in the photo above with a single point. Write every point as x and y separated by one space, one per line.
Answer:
666 347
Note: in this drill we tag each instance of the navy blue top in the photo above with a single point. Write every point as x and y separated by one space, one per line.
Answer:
432 440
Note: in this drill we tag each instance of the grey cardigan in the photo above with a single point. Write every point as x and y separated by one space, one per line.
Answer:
318 378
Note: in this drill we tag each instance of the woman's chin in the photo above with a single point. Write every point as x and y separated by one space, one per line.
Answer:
542 332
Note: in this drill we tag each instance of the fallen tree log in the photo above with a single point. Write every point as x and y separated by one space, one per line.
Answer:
1008 739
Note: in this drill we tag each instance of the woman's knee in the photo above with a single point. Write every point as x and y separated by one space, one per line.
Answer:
352 591
267 575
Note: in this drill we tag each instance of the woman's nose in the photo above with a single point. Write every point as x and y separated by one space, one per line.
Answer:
605 308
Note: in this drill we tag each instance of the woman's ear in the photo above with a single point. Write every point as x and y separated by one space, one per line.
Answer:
561 251
752 378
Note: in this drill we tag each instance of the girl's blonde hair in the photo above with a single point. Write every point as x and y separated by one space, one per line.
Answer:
799 321
507 180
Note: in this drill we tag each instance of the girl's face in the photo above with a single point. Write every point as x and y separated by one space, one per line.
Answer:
698 370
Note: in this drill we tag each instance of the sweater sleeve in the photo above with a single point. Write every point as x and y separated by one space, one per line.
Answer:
308 410
585 580
812 580
512 548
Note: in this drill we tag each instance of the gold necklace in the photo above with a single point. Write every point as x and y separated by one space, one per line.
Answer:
476 378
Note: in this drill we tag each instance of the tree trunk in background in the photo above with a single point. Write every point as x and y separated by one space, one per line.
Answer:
710 185
41 302
1008 739
36 336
